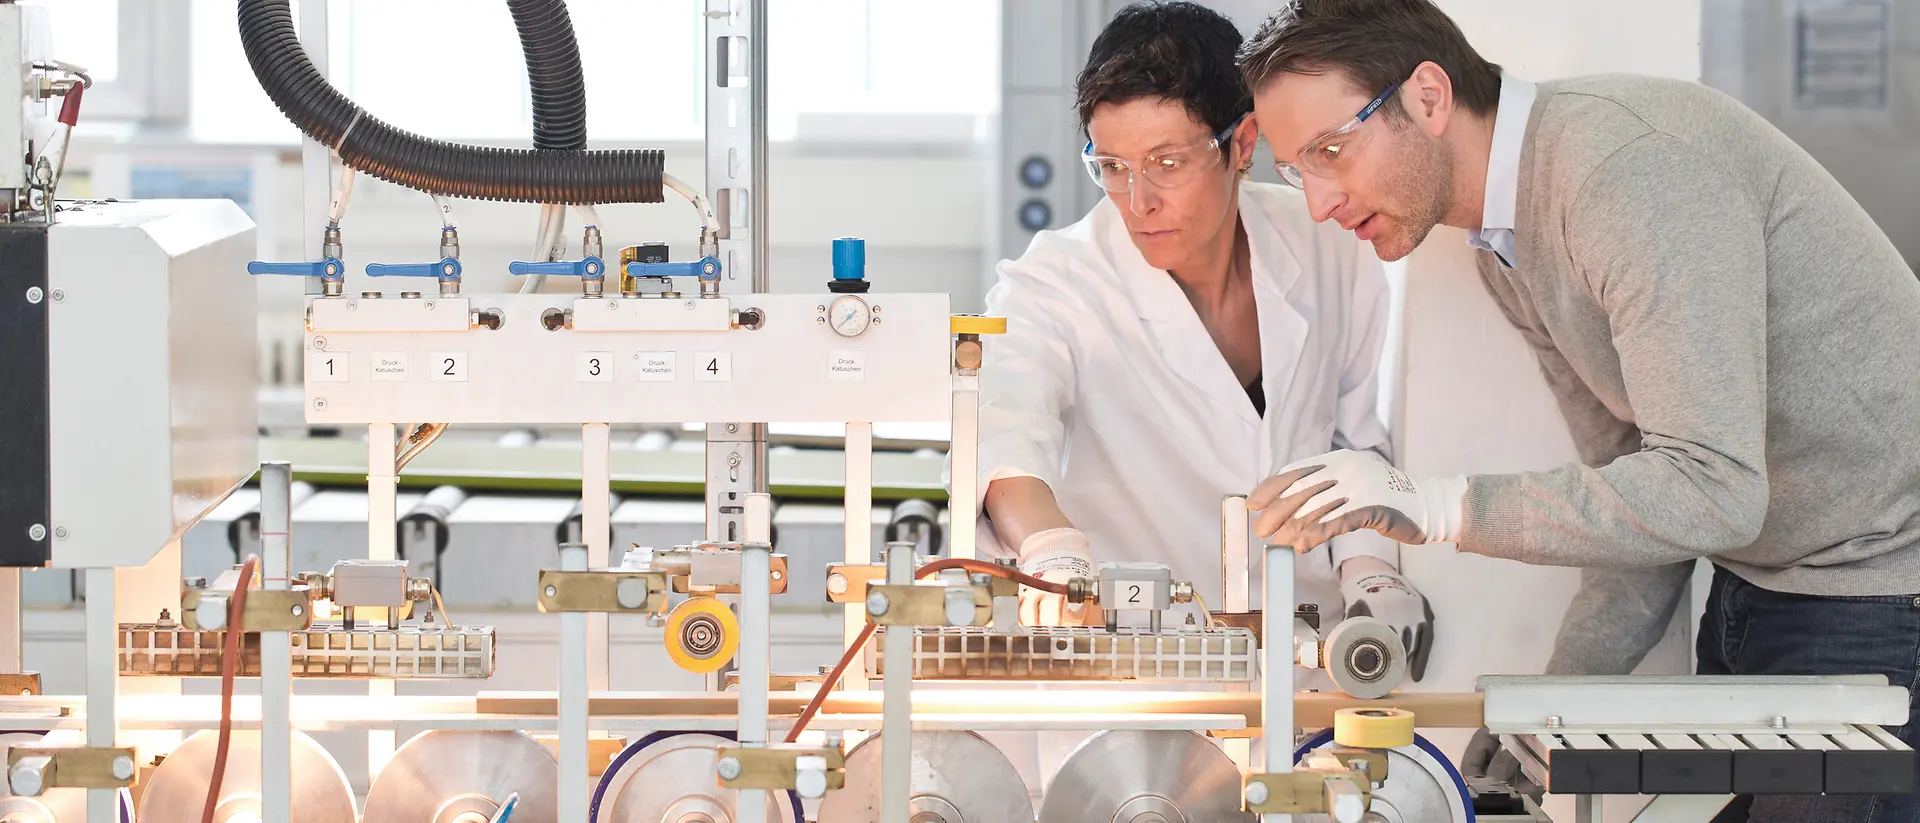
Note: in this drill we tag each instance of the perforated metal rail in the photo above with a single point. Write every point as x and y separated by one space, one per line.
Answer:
1063 653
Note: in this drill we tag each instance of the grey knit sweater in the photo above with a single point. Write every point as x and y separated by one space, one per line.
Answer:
1733 342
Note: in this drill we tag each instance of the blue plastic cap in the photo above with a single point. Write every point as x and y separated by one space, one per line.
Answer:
849 258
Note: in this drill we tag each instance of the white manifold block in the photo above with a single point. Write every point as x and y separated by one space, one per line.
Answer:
152 373
625 360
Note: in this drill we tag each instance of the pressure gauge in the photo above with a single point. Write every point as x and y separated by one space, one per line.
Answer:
849 315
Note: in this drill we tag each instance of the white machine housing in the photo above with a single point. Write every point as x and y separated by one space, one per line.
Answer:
151 373
25 38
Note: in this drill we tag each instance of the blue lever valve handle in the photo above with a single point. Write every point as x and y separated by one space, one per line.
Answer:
446 268
328 269
706 268
590 268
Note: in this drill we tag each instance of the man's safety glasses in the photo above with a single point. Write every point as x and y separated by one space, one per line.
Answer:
1326 155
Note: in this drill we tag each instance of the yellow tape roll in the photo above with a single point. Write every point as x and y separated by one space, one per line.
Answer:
977 324
1368 728
701 634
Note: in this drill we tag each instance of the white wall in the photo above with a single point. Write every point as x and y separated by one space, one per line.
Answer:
1472 399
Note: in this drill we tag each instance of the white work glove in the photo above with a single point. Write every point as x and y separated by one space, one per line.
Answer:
1056 556
1312 501
1391 599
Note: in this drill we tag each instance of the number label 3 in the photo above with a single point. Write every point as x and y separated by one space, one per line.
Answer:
448 367
593 367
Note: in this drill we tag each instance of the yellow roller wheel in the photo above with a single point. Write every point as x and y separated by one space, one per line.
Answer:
977 324
701 635
1368 728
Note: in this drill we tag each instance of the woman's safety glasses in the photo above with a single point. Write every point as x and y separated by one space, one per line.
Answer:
1166 168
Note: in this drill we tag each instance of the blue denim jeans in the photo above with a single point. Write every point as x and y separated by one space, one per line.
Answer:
1751 630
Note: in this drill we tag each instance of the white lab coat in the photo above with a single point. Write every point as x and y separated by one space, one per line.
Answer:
1107 387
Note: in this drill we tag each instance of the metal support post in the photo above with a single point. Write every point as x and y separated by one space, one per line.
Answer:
9 620
382 540
859 533
1235 547
896 702
736 184
316 161
573 699
1586 809
103 695
276 650
596 531
1276 673
965 452
756 642
1681 808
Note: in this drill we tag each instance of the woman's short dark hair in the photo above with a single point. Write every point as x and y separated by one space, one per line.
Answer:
1375 43
1177 51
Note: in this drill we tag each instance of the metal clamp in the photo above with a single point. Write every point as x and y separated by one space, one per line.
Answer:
809 771
266 610
602 590
929 604
847 582
714 568
34 769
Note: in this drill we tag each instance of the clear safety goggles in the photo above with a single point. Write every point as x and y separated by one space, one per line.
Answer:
1167 168
1326 155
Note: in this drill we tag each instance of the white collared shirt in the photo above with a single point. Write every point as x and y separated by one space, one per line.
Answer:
1503 170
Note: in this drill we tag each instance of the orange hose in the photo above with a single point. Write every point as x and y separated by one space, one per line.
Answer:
229 666
839 669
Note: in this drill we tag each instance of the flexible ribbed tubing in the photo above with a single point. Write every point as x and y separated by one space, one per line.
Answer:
370 145
554 74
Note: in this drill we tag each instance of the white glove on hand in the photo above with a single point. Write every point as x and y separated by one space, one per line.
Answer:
1056 556
1312 501
1389 598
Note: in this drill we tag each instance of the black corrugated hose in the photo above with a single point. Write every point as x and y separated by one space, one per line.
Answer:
553 73
371 146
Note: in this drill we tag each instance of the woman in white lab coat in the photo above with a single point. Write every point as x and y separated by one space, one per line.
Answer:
1192 334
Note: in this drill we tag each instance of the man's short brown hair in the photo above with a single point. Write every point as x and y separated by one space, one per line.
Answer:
1375 43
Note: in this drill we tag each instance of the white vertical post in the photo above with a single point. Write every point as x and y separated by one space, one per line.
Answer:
573 699
859 533
103 663
276 651
1276 675
1586 808
382 534
754 656
896 700
596 530
964 449
316 161
1234 543
10 620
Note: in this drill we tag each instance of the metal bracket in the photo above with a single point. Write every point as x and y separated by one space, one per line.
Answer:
929 604
602 590
1342 795
20 683
266 610
778 682
34 769
778 768
847 582
714 568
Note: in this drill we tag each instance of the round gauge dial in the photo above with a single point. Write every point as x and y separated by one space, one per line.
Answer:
849 315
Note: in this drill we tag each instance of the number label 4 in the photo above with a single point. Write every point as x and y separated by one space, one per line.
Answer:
713 367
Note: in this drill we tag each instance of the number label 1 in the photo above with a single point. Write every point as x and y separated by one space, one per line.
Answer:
712 367
328 366
448 367
593 367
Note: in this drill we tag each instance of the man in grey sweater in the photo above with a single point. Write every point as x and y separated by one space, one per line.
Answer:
1733 342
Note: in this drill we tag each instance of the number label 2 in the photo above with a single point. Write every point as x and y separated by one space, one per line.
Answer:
448 366
712 367
593 367
1133 593
328 366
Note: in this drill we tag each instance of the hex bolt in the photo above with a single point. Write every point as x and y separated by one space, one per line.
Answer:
211 613
1256 793
729 768
630 592
26 776
877 604
550 591
34 295
1779 722
836 583
37 532
122 768
1553 721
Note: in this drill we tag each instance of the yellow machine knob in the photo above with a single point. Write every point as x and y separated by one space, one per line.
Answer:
1369 728
701 634
978 324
